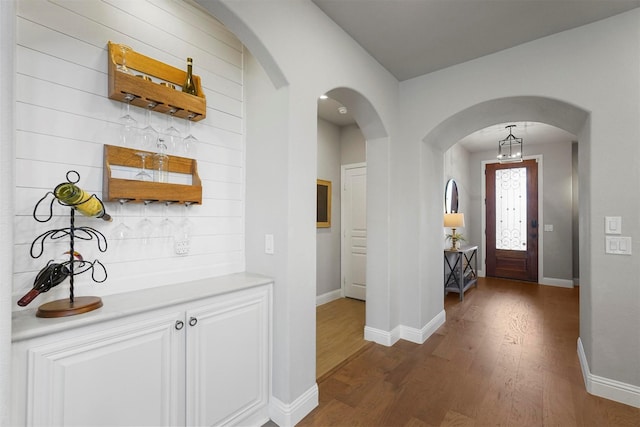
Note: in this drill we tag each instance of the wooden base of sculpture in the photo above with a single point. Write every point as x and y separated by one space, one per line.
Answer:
64 307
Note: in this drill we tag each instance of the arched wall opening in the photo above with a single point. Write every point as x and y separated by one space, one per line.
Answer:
281 170
376 144
555 112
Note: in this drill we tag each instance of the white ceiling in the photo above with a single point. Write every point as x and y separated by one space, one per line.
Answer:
415 37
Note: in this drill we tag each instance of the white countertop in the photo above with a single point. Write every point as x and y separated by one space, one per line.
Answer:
25 324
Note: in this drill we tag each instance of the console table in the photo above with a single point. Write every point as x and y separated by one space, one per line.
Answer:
460 269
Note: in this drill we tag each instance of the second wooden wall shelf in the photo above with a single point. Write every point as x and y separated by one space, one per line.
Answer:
114 189
146 92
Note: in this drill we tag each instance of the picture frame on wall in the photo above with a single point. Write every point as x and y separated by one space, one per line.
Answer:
323 206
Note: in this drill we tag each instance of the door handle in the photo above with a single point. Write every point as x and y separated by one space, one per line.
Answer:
534 223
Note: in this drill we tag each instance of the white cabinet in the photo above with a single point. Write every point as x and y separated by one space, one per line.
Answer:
227 361
197 363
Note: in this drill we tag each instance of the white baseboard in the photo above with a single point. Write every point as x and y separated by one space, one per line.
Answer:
408 333
289 414
382 337
561 283
328 297
605 387
419 336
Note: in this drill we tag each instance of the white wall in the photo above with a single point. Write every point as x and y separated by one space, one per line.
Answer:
63 118
7 160
352 145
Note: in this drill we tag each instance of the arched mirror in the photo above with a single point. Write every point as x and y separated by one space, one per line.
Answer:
451 197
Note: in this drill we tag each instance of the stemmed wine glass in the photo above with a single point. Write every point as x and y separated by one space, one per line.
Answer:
190 148
149 134
166 227
122 230
183 236
124 49
145 226
173 134
128 125
143 175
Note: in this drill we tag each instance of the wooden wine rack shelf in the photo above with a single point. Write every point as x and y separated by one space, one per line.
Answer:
114 189
147 92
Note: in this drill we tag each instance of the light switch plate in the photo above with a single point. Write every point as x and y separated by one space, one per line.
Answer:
268 244
613 225
548 227
618 245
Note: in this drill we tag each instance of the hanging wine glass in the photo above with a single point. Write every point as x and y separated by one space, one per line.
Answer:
128 125
184 233
149 136
143 175
190 147
166 227
145 226
122 230
124 49
174 138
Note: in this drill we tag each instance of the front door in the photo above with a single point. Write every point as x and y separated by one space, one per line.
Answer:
354 230
512 220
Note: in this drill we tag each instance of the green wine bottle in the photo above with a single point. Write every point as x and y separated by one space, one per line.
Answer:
189 86
74 196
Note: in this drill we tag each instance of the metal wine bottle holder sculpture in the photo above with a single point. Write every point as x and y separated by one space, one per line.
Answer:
54 273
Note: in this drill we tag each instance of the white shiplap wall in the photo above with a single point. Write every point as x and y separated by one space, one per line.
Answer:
63 118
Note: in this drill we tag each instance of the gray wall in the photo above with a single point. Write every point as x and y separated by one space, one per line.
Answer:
328 239
456 166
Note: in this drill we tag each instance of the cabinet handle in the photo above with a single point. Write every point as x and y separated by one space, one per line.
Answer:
193 321
179 324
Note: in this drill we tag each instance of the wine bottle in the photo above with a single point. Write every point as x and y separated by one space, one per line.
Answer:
51 275
72 195
189 86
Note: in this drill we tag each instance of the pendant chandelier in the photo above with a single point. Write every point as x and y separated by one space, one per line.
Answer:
510 148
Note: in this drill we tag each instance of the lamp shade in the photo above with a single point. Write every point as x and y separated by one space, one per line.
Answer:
454 220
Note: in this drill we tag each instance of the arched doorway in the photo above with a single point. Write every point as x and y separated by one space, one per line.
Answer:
342 149
512 109
554 152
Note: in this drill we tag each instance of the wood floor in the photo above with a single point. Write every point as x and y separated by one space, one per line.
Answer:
505 356
339 334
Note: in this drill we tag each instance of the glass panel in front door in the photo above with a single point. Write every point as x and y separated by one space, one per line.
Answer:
511 209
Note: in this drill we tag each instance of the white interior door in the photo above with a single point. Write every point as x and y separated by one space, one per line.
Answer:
354 230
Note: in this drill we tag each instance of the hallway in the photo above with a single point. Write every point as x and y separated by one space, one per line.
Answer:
505 356
339 334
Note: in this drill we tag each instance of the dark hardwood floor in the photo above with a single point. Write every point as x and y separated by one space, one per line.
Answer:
505 356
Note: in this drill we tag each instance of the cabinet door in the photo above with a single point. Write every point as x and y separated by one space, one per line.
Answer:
228 359
123 376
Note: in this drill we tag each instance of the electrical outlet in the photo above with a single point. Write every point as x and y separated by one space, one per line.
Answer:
182 247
